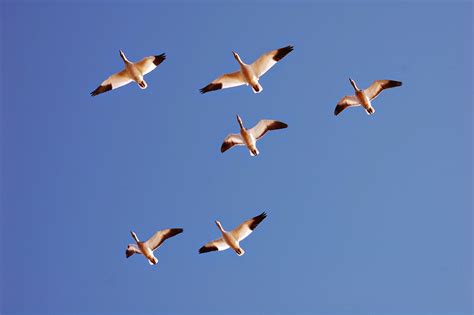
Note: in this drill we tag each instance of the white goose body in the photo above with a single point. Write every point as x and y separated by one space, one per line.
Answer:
146 248
230 240
249 137
250 77
364 97
132 72
250 141
248 74
233 238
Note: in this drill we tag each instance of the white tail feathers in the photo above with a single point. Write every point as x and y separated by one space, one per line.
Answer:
239 251
370 110
257 88
143 85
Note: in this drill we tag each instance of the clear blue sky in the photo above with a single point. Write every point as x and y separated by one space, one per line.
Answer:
366 215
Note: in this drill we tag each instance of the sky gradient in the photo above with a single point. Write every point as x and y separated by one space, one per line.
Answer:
366 215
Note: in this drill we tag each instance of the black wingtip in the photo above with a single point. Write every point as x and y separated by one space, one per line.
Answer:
206 249
101 89
211 87
282 52
159 59
256 220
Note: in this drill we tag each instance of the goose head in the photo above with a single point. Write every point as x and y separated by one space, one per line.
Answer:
237 57
124 58
153 261
239 120
353 84
134 236
219 225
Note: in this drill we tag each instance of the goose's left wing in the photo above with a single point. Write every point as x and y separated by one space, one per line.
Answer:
156 240
148 64
246 228
378 86
268 60
265 125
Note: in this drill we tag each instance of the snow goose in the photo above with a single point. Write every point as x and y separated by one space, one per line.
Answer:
233 238
249 137
147 248
248 74
132 72
364 97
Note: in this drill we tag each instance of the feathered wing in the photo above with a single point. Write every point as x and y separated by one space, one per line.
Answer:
268 60
156 240
378 86
246 228
113 82
215 245
265 125
224 81
346 101
132 249
230 141
148 64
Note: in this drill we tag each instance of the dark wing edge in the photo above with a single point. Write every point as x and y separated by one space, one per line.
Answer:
159 59
211 87
282 52
256 220
101 89
170 233
208 248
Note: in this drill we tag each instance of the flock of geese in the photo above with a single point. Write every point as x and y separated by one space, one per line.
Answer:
248 74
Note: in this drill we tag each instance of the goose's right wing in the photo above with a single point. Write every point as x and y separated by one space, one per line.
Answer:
346 101
265 125
218 245
113 82
132 249
224 81
230 141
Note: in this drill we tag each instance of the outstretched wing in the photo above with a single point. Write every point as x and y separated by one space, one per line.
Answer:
230 141
132 249
268 60
265 125
346 101
246 228
378 86
224 81
113 82
215 245
156 240
148 64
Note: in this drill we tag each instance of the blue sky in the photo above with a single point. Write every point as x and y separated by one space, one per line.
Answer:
366 215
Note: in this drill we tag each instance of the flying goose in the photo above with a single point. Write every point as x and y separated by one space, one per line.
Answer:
147 248
364 97
233 238
249 137
248 74
132 72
